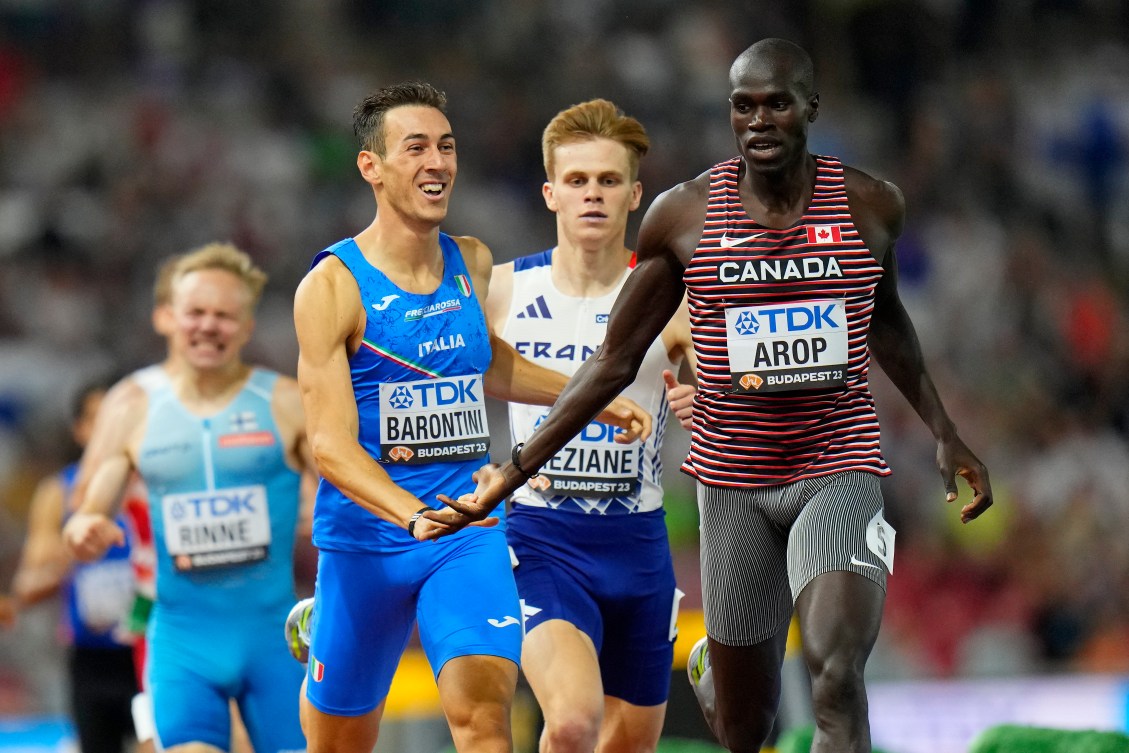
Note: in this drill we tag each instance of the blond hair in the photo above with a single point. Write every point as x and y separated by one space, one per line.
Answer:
223 256
594 119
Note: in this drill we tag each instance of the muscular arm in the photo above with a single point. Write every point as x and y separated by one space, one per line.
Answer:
879 211
327 314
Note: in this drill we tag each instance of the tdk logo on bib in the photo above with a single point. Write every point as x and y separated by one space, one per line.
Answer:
789 319
433 394
747 324
401 398
215 506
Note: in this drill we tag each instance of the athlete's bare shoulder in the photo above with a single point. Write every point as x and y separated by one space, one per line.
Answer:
675 220
877 208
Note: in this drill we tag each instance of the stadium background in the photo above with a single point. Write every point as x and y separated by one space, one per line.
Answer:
132 129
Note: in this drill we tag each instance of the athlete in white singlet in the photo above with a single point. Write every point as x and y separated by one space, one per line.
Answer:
588 535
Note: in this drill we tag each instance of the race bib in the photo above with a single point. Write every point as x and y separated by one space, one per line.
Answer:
591 465
433 420
216 528
787 346
103 593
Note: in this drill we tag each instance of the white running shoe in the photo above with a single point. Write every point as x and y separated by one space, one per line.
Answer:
700 672
298 629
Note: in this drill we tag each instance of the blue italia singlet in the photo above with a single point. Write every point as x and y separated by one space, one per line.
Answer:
418 384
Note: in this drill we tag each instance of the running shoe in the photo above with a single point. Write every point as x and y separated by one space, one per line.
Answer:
298 629
700 672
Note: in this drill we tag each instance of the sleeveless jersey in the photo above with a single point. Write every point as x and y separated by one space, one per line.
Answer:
591 473
418 384
779 320
97 595
223 501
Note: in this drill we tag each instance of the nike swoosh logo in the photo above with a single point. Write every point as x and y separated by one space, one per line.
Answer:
507 620
856 561
727 242
385 302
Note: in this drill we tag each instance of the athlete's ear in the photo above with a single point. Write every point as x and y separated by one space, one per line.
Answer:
370 165
636 195
547 193
813 108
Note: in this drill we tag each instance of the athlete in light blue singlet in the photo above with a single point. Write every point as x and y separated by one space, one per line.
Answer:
220 447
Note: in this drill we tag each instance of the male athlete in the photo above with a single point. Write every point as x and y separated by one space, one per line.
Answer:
220 446
787 260
394 365
594 569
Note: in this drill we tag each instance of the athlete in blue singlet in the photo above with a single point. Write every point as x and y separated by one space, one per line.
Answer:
96 599
395 361
593 563
220 447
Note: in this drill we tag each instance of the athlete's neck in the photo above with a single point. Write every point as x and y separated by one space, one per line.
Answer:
409 255
779 198
588 273
207 391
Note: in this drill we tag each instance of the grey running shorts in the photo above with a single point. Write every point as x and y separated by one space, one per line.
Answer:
761 545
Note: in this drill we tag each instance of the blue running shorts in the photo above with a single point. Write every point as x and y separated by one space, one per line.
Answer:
460 590
612 577
194 667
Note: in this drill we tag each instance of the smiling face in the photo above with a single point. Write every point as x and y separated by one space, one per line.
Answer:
771 107
415 177
209 318
592 192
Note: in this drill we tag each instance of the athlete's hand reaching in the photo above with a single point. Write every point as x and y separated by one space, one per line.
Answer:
467 510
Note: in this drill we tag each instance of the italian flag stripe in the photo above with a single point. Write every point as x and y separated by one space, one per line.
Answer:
385 353
464 285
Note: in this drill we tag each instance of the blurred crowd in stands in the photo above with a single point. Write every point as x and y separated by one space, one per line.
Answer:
134 129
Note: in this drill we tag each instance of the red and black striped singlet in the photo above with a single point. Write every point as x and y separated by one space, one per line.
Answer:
779 321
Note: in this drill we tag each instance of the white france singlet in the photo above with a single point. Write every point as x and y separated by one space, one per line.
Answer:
592 473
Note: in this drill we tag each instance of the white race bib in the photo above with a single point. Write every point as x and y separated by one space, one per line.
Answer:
787 346
221 527
433 420
591 465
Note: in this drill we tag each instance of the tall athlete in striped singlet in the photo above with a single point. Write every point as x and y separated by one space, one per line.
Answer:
395 362
220 446
594 569
788 263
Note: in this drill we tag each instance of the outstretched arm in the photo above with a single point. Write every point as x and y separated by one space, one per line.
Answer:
44 560
644 306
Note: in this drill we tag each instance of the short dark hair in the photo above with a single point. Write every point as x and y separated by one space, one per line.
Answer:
368 115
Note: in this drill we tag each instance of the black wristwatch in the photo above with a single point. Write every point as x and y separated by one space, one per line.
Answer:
412 520
515 454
